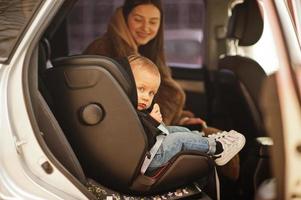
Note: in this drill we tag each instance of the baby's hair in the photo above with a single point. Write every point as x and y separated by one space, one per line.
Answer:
145 64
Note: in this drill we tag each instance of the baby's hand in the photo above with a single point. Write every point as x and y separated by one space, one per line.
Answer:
156 114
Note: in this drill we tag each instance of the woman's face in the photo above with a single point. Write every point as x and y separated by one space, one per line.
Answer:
144 22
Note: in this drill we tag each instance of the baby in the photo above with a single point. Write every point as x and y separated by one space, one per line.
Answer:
223 145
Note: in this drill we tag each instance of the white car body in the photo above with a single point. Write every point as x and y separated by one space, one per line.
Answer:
21 157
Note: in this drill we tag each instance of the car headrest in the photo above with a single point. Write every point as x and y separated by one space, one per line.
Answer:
246 23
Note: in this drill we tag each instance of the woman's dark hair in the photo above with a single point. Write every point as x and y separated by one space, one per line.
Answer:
129 5
154 49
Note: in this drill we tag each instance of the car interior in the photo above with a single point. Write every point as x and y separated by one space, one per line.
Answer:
78 100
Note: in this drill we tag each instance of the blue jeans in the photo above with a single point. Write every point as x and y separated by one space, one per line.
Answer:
180 139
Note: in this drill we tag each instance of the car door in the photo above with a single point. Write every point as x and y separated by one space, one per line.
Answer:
281 100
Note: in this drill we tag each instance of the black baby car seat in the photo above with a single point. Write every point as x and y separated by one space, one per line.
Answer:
91 102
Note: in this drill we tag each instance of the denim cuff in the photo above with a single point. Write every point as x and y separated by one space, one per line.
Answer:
202 133
212 146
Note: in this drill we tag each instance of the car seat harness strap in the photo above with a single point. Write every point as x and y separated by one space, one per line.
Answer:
151 154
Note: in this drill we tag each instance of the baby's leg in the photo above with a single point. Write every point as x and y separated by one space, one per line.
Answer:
175 129
180 141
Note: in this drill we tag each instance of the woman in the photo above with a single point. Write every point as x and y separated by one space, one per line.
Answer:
137 28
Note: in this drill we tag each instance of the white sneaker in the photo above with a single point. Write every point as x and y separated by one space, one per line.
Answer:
232 143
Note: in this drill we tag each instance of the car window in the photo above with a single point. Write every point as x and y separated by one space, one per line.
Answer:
183 52
14 16
87 21
184 22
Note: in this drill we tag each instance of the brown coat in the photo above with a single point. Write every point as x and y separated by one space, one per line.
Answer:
117 42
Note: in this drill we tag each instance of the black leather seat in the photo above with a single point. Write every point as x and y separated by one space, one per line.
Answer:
91 102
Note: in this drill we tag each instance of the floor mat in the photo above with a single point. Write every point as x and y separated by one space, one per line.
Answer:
188 192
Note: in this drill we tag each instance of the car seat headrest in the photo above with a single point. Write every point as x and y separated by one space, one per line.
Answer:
246 23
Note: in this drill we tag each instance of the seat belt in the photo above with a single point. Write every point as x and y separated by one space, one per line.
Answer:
159 139
217 184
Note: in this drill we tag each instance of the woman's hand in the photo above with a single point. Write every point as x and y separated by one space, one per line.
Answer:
156 114
192 121
188 118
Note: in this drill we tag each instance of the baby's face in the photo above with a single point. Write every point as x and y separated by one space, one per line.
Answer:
147 86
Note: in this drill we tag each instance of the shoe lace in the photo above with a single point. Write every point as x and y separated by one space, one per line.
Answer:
224 137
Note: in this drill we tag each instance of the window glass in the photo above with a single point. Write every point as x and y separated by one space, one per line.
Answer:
183 48
184 22
14 16
87 21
